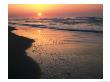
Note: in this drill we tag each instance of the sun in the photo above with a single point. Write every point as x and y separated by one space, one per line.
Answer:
39 14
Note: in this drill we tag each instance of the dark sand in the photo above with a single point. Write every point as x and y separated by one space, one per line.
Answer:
60 54
20 66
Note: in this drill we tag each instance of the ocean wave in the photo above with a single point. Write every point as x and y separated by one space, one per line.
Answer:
81 24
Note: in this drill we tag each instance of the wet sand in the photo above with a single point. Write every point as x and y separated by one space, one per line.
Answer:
63 54
20 66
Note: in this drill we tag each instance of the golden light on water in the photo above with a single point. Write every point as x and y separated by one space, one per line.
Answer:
59 53
39 31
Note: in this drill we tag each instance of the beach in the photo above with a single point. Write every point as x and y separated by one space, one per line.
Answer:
64 54
20 66
55 41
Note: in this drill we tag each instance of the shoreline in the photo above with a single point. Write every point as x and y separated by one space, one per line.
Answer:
87 63
20 66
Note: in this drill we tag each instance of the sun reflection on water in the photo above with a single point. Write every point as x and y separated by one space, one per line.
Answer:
39 31
57 51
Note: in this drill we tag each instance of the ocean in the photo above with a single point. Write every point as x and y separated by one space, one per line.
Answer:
64 48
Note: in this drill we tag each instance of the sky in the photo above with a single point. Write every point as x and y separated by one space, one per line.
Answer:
54 10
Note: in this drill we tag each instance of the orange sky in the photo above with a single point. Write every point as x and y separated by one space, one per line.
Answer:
54 10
